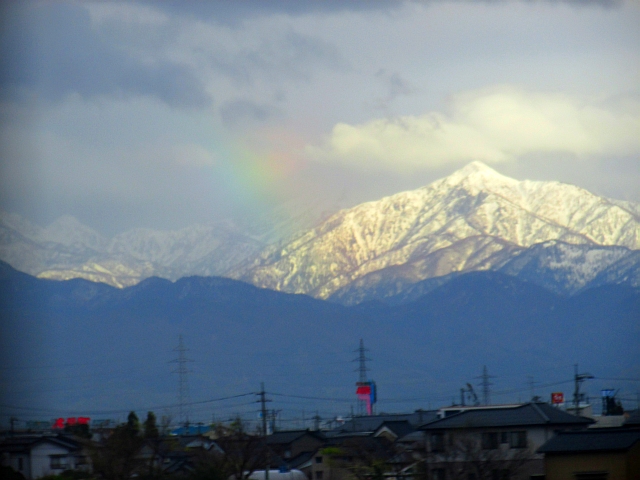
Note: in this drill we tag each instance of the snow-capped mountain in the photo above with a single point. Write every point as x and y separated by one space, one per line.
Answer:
474 219
558 236
68 249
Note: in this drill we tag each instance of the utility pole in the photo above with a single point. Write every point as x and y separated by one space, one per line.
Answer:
578 379
263 402
183 384
316 421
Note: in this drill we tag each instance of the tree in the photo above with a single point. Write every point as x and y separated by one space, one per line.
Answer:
133 424
152 439
151 427
363 457
116 458
242 452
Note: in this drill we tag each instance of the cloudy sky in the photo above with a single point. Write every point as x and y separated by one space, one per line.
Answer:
164 114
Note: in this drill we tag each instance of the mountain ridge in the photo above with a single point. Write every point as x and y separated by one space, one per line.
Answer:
425 349
474 219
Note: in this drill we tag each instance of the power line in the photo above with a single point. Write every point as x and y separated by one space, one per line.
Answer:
149 408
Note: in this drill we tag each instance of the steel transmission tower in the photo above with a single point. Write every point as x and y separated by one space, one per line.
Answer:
183 383
485 384
362 369
362 359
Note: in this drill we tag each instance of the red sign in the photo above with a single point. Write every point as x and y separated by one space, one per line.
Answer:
363 390
60 422
557 398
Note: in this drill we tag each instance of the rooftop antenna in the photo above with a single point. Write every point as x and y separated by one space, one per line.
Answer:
183 384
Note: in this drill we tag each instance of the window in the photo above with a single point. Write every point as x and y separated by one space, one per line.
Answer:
318 459
319 475
59 462
519 439
504 437
490 440
437 442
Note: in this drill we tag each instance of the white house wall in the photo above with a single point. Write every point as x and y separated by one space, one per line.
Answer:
41 459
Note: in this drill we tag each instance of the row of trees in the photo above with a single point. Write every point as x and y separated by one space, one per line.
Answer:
132 449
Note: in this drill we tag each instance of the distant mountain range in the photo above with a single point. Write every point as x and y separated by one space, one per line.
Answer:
112 347
558 236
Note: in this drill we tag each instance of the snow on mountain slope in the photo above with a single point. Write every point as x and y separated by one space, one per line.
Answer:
475 201
68 249
563 267
625 271
68 231
199 249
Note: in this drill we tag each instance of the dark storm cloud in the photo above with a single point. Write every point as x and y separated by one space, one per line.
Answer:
230 12
53 50
288 55
245 112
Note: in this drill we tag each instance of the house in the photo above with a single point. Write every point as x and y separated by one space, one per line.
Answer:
369 424
290 444
356 455
392 430
594 454
35 456
500 441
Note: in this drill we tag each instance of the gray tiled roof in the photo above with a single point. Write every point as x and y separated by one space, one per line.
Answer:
399 428
600 440
371 423
286 437
634 419
524 415
26 442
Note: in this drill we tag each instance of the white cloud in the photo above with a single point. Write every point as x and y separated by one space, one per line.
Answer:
493 125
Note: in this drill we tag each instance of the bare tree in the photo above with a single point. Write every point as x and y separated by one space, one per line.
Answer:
466 456
242 452
364 458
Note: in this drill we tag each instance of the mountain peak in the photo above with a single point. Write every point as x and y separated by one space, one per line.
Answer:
478 172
